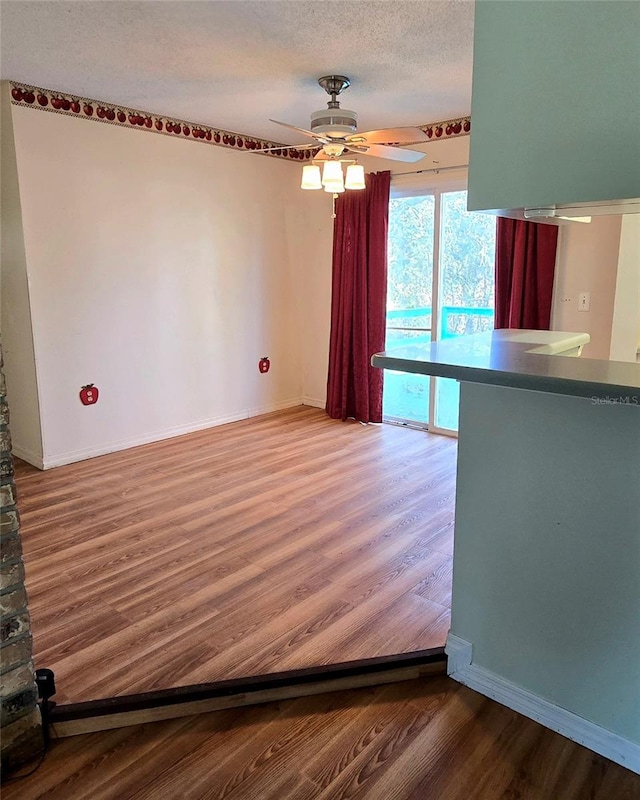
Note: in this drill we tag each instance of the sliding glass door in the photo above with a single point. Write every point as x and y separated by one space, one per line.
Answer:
441 285
409 302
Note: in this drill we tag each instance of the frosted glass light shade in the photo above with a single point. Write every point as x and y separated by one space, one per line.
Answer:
334 189
311 177
355 177
332 174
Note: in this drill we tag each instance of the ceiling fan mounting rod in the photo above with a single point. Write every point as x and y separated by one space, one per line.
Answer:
333 85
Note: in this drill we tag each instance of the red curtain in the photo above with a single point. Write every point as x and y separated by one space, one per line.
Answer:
525 265
358 301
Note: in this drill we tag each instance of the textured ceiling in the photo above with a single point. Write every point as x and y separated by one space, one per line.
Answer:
235 64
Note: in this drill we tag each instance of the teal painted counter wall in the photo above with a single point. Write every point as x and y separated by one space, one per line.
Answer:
546 582
555 109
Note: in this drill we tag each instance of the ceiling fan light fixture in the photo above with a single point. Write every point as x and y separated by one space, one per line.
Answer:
355 177
311 177
332 175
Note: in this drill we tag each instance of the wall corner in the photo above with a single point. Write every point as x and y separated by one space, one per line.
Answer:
18 344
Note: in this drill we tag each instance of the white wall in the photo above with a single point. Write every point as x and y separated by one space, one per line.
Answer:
625 329
587 261
161 270
17 339
310 238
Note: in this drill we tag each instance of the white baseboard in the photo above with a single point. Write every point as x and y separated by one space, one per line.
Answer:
72 456
578 729
459 652
269 407
314 402
27 455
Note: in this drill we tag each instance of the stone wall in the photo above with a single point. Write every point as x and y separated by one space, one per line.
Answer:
19 715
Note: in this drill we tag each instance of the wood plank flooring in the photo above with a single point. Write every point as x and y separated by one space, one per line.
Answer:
412 741
284 541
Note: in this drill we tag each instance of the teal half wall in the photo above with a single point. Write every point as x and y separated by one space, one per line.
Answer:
546 579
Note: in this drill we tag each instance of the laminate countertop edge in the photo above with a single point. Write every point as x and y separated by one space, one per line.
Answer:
505 358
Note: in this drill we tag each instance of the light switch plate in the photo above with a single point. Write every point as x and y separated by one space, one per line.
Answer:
584 301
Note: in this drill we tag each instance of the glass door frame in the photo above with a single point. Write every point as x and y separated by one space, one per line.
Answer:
436 305
453 185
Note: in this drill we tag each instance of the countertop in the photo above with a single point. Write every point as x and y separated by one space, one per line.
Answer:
520 359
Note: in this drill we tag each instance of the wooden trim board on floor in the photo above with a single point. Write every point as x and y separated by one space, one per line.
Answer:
73 719
428 739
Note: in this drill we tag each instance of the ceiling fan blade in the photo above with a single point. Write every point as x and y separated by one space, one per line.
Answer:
385 151
290 147
389 143
299 130
391 135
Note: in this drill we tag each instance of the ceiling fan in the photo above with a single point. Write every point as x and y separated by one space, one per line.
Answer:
334 131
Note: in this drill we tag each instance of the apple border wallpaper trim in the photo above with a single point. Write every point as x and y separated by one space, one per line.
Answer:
115 114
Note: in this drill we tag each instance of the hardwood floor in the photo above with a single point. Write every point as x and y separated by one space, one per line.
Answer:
412 741
284 541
